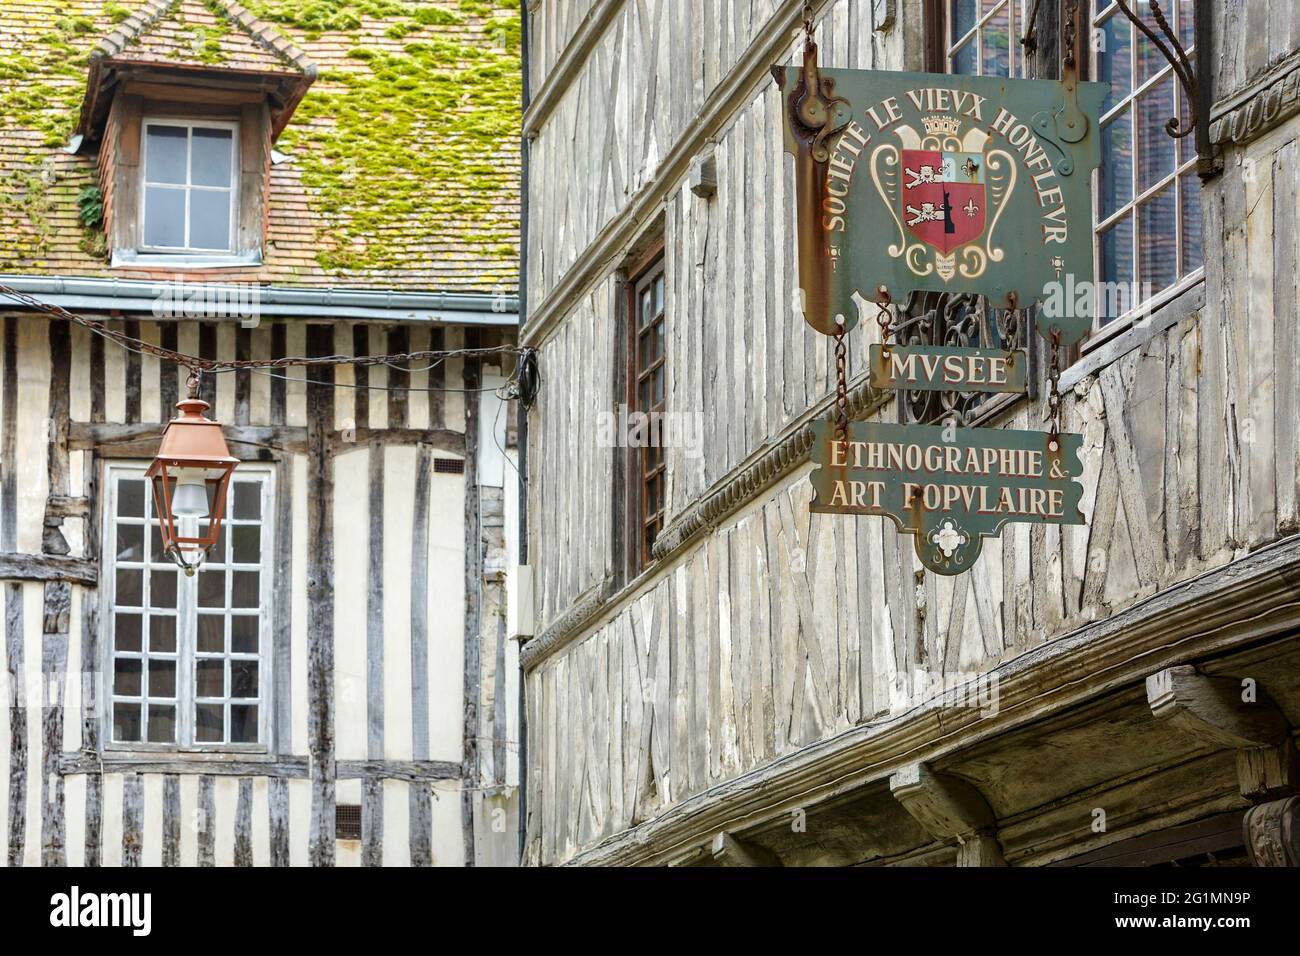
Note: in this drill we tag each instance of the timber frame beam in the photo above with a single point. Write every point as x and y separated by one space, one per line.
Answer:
610 243
47 567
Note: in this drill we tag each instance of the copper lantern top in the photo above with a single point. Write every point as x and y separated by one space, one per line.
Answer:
192 439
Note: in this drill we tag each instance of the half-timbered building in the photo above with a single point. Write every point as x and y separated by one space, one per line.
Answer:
255 182
716 676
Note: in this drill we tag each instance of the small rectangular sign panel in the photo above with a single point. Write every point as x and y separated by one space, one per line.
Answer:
935 368
949 487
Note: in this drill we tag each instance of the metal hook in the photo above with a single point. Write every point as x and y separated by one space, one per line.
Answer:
1174 52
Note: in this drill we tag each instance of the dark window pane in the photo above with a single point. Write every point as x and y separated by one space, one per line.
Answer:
963 61
162 589
244 634
1116 163
156 554
243 678
1155 146
1187 22
209 220
164 217
244 589
126 676
162 678
1115 58
994 45
659 339
217 556
211 156
248 500
212 634
1193 251
659 294
243 723
964 16
162 634
210 677
246 543
126 722
126 632
130 498
659 386
130 542
130 590
209 721
647 307
1116 266
165 149
162 724
1157 237
212 589
1149 58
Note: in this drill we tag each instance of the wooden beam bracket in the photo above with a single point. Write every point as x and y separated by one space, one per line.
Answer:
952 811
729 851
1220 712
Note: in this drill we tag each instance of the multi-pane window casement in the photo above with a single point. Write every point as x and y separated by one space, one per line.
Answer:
649 374
982 38
1148 213
187 657
189 186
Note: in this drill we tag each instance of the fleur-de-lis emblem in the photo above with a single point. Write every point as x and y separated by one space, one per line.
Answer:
948 538
971 208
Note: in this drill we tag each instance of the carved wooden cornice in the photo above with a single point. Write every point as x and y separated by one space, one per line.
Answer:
1194 619
741 486
1261 107
569 624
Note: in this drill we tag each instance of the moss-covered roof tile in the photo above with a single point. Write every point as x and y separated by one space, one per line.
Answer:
403 159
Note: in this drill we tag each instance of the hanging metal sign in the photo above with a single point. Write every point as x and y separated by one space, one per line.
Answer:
934 368
942 183
949 487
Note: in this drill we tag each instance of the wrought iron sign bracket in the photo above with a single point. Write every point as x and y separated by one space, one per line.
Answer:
1195 81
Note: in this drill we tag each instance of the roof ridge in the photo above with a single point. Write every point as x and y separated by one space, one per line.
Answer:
268 36
132 28
263 34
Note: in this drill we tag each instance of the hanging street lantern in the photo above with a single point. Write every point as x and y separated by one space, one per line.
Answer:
190 476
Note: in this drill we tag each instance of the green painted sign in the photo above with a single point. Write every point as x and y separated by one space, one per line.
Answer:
949 487
936 368
940 183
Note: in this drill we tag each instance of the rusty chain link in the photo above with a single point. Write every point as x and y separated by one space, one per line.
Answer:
1054 391
841 384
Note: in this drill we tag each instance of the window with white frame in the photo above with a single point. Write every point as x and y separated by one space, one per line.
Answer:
187 656
1148 207
190 186
981 38
1147 215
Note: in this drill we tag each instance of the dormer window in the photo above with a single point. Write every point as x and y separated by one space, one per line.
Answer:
184 140
189 189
